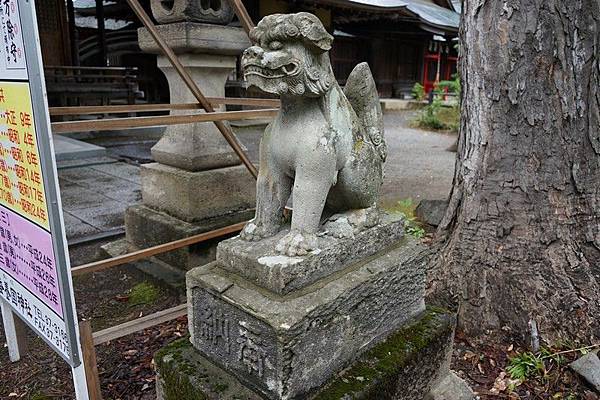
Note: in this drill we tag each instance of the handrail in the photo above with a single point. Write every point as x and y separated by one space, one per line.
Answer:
132 108
161 120
151 251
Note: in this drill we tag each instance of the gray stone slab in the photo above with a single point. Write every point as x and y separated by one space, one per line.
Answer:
130 195
154 267
285 346
197 196
76 228
451 388
66 148
76 197
106 216
260 263
404 367
431 211
187 37
146 227
84 162
122 170
588 366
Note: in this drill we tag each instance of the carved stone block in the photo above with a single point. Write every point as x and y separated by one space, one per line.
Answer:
284 346
212 11
260 263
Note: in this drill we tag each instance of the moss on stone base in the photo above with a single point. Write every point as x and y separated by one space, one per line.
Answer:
405 366
183 374
410 360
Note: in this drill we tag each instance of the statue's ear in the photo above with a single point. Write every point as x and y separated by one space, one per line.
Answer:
254 35
313 31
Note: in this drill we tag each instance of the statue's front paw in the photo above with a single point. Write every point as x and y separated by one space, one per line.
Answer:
296 243
255 231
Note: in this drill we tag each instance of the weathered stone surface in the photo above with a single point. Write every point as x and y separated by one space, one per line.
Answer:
431 211
195 37
183 374
285 346
197 196
326 143
260 263
146 227
407 366
215 11
200 146
451 388
385 372
588 366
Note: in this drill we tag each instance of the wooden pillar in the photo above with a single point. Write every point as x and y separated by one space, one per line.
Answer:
101 32
89 360
73 36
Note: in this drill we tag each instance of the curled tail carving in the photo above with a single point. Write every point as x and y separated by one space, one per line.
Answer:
362 94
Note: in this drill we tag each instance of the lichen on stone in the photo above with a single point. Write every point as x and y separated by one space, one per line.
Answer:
381 364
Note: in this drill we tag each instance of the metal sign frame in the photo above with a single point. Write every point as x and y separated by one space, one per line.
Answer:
55 222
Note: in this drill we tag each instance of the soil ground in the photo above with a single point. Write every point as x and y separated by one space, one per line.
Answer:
418 167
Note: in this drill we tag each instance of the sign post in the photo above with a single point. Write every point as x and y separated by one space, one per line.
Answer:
35 279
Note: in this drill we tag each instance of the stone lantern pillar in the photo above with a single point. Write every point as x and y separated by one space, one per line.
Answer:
197 183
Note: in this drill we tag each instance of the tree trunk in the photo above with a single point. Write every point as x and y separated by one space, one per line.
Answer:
521 236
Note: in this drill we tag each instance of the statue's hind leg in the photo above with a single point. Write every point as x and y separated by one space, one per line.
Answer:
355 194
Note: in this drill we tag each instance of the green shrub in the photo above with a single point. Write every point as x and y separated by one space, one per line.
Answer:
428 118
418 92
452 86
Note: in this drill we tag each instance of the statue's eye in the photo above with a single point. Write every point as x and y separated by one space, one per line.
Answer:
275 45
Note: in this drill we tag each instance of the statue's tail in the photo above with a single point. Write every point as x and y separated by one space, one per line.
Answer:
362 93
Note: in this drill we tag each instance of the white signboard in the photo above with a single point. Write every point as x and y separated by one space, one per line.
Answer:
35 278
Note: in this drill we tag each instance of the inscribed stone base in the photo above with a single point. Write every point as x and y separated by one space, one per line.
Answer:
198 196
410 365
283 347
146 227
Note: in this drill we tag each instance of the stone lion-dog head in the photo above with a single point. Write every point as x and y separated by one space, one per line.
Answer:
289 56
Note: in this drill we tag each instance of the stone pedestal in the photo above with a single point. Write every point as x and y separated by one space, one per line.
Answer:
347 321
412 364
197 183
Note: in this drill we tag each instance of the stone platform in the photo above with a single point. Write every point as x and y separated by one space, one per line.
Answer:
262 265
146 227
285 346
412 364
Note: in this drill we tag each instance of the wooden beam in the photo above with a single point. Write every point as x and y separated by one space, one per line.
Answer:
187 78
139 324
151 251
85 110
89 360
242 14
161 120
15 332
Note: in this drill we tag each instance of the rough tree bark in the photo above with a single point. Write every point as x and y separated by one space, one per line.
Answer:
521 236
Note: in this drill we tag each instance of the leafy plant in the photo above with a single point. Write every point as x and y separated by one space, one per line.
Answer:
407 208
525 365
452 86
414 230
418 92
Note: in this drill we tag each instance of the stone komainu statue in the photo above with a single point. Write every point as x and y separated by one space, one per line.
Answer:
325 143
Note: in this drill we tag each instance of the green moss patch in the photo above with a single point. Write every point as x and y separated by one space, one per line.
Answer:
143 293
377 369
186 375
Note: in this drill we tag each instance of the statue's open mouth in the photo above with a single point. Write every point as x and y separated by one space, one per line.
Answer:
289 69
